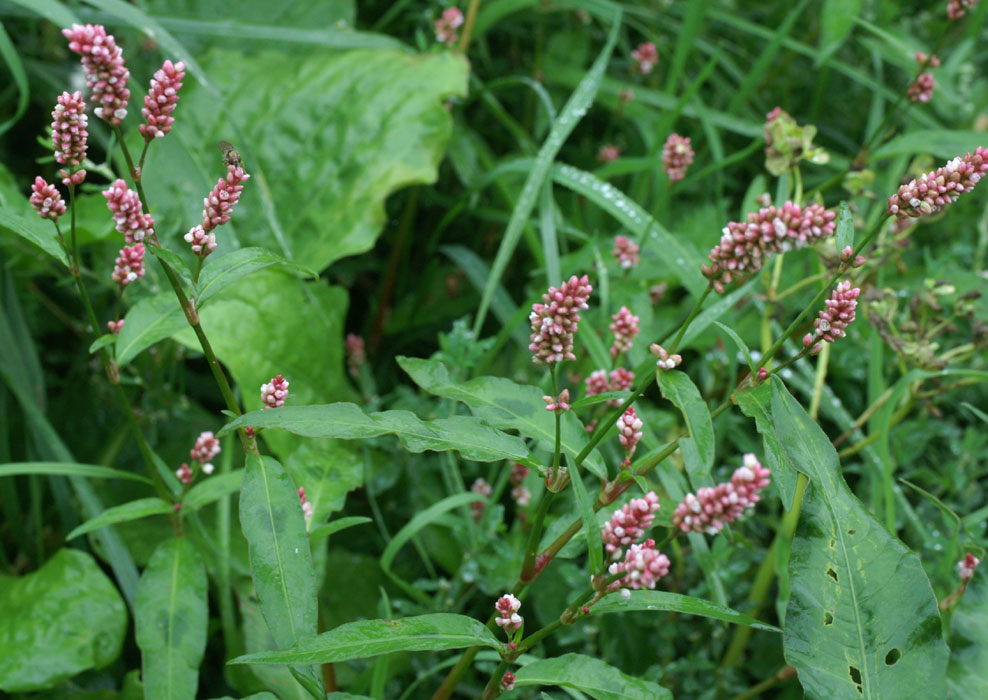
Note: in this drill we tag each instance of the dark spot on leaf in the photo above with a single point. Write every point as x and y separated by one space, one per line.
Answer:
832 574
892 657
855 677
852 532
832 542
828 619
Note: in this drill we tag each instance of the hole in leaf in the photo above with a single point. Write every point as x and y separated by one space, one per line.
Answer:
892 657
832 574
832 543
828 619
855 677
852 532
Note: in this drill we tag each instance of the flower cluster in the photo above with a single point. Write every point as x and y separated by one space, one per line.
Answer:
223 197
620 379
966 567
446 26
274 392
629 427
934 190
557 404
713 507
306 505
520 493
554 322
677 155
206 447
129 266
629 523
507 607
115 326
957 8
69 134
663 360
922 88
646 56
355 354
626 251
508 681
608 152
161 99
745 246
202 243
624 326
103 64
130 220
481 487
642 567
185 474
833 320
46 200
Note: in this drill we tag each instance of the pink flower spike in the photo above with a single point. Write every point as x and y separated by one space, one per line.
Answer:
957 8
206 447
596 383
677 155
274 392
507 606
646 56
161 100
626 252
966 567
508 681
184 474
642 567
202 243
629 427
306 505
629 523
608 153
46 200
69 134
129 265
355 354
115 326
130 220
835 318
624 328
554 322
935 190
521 496
558 404
621 379
922 89
103 65
713 507
663 359
482 488
446 26
223 197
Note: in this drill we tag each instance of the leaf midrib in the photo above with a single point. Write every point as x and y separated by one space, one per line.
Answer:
277 549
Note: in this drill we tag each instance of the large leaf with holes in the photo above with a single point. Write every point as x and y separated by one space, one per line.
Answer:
63 619
862 620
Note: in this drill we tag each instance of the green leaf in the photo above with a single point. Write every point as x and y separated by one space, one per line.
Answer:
836 22
574 109
757 403
469 436
595 555
150 320
55 12
176 263
742 346
678 388
967 674
600 398
503 404
16 69
358 640
38 231
170 621
589 675
219 272
101 342
942 143
133 510
862 620
338 525
280 560
91 471
845 227
212 488
59 621
663 601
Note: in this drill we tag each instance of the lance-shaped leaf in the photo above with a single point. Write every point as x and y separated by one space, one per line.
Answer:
40 232
90 471
503 404
212 489
469 436
132 510
757 403
862 620
663 601
699 448
171 616
358 640
592 676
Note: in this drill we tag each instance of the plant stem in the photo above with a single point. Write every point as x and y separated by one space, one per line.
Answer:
528 572
784 674
471 17
689 319
557 448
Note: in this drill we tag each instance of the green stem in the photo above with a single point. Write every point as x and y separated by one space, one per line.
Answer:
468 23
528 572
557 448
493 688
689 319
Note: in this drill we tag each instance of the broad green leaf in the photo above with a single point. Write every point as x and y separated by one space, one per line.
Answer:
219 272
150 320
503 404
862 620
590 675
41 232
63 619
663 601
757 403
133 510
90 471
179 266
678 388
337 526
16 69
211 489
742 346
574 109
468 436
845 227
358 640
836 22
280 560
170 621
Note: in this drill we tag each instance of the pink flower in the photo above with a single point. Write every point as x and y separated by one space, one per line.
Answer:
645 58
744 247
922 89
223 197
508 681
184 474
663 359
608 152
834 319
554 322
518 473
306 506
713 507
626 252
624 328
937 189
677 154
966 567
46 200
115 326
621 379
129 265
161 99
629 523
521 495
596 383
69 135
355 355
446 26
202 243
206 447
558 404
957 8
481 487
128 217
507 606
629 427
642 567
274 392
103 64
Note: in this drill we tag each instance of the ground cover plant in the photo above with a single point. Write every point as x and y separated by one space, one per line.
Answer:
499 348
